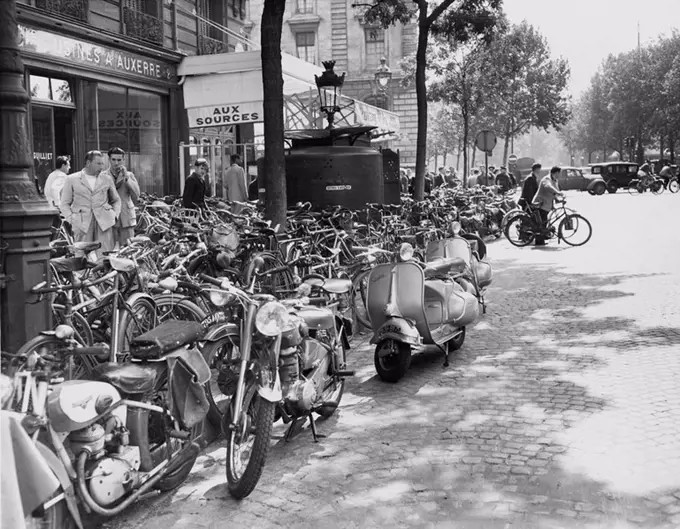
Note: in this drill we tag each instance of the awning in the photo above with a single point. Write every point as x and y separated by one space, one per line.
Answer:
226 89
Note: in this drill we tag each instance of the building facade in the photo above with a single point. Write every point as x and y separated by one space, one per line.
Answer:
103 73
320 30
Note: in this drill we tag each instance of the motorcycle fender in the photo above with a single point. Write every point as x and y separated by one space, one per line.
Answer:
217 332
57 467
139 295
398 329
272 394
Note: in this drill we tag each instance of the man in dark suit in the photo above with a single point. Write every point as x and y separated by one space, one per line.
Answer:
197 186
530 186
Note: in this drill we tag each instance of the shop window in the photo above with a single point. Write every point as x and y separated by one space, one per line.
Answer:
238 9
305 46
132 120
50 89
375 46
304 6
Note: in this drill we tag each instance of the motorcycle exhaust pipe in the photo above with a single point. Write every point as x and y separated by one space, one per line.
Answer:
182 457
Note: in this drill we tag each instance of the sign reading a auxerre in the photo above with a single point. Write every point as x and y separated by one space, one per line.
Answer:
93 55
251 112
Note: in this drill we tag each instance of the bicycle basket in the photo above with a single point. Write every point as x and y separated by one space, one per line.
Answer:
224 236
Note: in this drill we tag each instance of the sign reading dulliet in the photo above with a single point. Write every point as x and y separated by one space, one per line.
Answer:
250 112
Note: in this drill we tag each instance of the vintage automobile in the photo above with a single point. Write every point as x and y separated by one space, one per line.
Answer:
615 174
573 178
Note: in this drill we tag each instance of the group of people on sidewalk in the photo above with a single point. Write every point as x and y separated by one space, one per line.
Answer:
97 203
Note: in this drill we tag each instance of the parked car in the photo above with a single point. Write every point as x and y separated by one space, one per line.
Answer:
573 178
615 174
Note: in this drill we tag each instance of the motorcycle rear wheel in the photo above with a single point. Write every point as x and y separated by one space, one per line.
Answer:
260 416
393 366
673 185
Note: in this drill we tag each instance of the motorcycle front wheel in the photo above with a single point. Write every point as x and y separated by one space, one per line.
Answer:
248 442
673 185
392 359
55 517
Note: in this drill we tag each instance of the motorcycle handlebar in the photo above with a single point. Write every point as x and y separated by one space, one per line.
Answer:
211 280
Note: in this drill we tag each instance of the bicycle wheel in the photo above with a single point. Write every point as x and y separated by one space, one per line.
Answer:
272 277
657 187
575 230
520 231
359 297
75 367
139 317
173 307
635 188
509 216
83 332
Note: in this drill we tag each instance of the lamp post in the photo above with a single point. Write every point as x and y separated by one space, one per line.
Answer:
25 216
383 76
330 90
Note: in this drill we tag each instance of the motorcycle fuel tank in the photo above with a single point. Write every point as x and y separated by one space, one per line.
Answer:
72 405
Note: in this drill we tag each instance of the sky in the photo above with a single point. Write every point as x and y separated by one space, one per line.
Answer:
585 32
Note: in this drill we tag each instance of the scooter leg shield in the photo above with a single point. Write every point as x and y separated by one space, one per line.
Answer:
484 274
463 308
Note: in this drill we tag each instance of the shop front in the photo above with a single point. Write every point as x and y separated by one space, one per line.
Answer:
87 96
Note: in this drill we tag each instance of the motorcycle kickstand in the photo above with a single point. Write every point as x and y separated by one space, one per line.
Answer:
292 430
312 423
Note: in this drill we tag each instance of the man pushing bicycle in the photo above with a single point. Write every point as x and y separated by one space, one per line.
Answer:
544 199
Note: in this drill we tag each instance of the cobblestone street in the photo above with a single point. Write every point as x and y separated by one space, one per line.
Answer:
562 410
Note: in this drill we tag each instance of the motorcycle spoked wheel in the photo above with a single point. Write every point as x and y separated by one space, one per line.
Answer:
56 517
223 358
657 187
248 444
391 366
332 395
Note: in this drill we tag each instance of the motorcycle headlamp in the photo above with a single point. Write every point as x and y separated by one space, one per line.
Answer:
273 319
405 252
456 227
220 298
64 332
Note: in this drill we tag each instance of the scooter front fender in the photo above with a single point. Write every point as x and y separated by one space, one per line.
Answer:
271 393
398 329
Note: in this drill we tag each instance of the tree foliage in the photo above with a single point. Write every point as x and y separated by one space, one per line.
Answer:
633 102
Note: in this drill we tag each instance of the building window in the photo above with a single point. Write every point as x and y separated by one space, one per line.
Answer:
375 46
305 6
143 20
305 46
50 89
116 116
211 38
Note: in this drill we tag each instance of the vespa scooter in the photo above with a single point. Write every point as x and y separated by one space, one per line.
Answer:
411 304
477 274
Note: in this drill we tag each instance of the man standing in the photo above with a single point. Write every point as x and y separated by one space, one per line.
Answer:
197 186
90 203
503 180
544 199
128 189
530 186
55 181
237 187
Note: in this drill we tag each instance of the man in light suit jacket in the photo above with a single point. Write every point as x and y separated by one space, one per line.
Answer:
90 203
128 189
544 199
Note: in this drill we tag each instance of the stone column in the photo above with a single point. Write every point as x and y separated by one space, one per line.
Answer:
25 217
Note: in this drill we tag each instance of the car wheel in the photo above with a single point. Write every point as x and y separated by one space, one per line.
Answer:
612 186
599 189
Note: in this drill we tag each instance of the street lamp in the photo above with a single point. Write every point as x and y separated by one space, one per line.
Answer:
383 76
330 89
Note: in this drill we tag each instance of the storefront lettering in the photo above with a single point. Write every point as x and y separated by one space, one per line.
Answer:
46 43
133 120
42 155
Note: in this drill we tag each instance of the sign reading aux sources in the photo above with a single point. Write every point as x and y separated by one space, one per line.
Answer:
251 112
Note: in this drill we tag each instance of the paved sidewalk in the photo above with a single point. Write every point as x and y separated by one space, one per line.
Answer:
562 410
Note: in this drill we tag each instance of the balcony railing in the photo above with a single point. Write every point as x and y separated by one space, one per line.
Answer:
143 26
210 46
77 9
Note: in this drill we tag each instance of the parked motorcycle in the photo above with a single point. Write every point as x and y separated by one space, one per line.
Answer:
287 360
135 429
411 303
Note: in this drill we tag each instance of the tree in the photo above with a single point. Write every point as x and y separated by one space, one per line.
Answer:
457 19
272 89
443 131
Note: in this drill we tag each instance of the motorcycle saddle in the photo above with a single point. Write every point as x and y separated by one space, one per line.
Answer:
86 247
165 338
130 379
443 265
316 317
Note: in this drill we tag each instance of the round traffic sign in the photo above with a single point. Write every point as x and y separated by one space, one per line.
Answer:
512 158
486 140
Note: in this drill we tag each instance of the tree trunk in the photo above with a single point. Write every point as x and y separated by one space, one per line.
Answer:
458 154
507 144
466 132
661 146
444 161
272 89
421 99
474 154
671 145
590 157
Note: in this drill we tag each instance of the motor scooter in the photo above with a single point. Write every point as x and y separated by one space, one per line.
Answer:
477 274
411 303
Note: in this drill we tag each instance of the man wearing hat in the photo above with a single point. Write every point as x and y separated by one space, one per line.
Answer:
197 186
